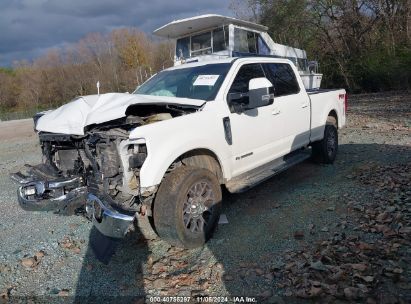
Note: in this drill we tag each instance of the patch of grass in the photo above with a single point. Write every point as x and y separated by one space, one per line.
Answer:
13 114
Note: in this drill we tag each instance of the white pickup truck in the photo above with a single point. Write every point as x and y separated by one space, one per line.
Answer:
166 150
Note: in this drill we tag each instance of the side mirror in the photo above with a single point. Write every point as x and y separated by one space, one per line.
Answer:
238 102
260 93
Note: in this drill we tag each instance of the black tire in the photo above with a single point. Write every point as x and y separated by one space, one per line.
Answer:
178 212
325 150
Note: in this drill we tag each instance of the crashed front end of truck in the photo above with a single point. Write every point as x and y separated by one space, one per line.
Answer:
96 173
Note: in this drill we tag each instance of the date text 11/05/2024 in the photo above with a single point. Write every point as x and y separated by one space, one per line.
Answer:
201 299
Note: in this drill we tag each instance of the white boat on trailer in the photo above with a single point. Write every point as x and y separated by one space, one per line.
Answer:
210 36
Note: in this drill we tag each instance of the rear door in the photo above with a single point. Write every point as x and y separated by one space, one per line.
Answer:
291 106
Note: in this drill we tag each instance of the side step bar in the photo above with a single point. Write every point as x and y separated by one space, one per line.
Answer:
258 175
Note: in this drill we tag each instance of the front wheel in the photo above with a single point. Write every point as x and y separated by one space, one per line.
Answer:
187 207
325 150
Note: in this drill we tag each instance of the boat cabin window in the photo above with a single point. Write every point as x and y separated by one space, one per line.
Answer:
244 41
249 42
202 44
220 39
302 64
262 46
183 47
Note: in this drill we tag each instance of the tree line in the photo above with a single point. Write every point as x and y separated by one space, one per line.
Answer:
361 45
119 60
364 46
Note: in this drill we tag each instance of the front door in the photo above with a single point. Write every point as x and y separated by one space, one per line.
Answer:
256 133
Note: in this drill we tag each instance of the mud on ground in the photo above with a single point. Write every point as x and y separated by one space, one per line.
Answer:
315 233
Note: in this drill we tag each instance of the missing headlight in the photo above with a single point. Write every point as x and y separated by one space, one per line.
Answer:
138 155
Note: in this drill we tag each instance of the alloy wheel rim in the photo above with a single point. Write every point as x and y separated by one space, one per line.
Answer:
331 143
198 207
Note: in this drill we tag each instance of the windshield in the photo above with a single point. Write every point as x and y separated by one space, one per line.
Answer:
200 82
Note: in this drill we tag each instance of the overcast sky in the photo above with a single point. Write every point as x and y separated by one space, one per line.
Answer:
29 27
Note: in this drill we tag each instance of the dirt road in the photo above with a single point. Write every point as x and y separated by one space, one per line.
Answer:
16 129
323 232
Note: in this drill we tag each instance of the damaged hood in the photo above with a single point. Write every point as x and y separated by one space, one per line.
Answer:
72 117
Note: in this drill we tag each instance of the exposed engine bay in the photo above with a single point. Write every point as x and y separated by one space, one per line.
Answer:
102 163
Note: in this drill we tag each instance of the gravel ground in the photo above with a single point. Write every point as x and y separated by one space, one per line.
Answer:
304 235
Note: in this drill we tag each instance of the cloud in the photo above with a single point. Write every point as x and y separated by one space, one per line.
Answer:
29 27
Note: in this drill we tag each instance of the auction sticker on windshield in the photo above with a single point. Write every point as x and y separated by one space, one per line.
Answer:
206 80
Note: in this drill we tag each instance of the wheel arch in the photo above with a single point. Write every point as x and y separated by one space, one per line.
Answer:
202 158
333 114
153 170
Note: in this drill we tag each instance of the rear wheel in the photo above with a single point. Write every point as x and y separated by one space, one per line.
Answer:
187 207
325 150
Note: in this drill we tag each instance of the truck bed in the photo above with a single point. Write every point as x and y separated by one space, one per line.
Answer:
319 91
322 102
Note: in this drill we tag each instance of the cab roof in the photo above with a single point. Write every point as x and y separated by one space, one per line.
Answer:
183 27
230 60
202 62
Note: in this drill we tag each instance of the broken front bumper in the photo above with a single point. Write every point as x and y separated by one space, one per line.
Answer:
41 195
107 220
65 197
